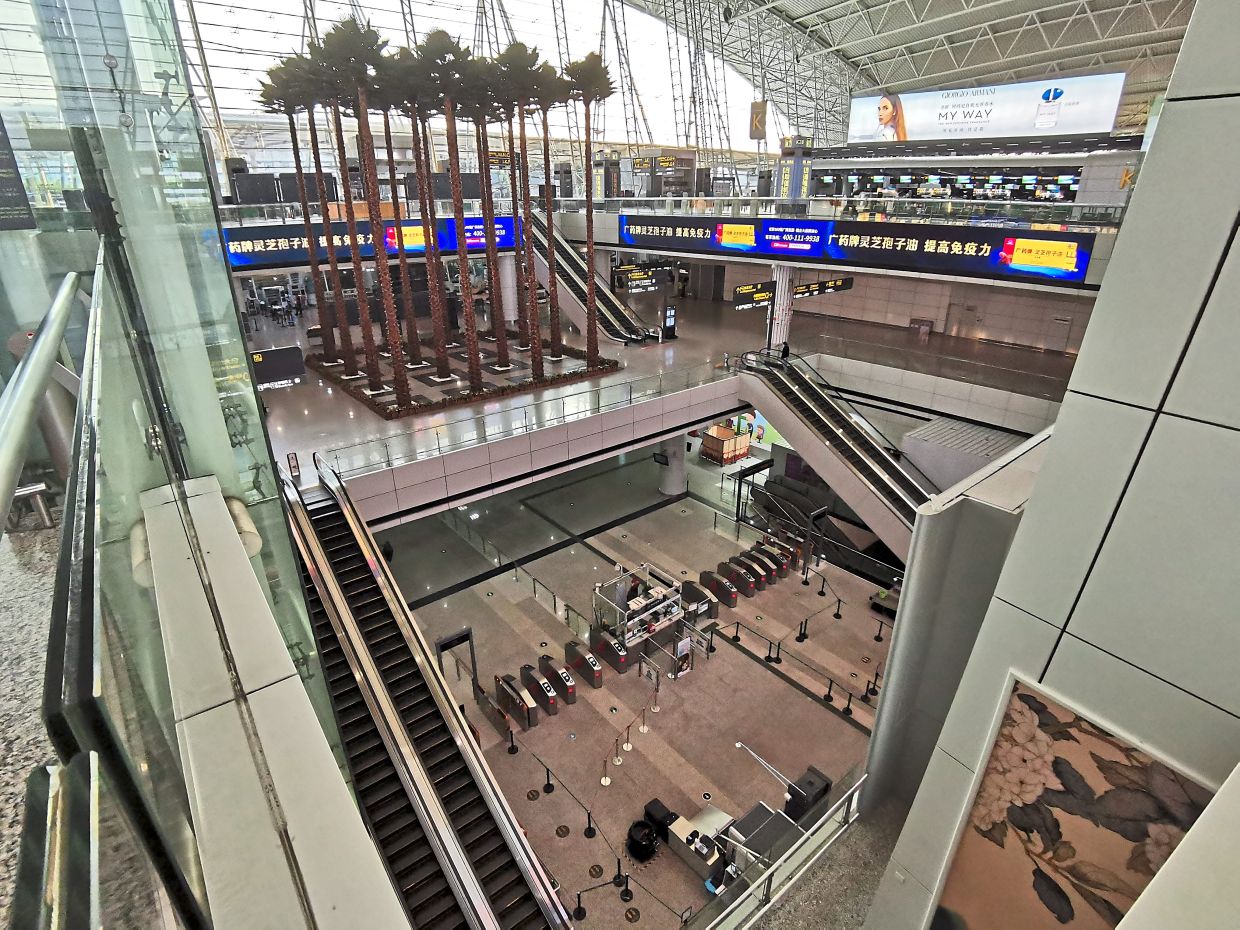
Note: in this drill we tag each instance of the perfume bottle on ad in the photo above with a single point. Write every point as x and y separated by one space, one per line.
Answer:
1048 110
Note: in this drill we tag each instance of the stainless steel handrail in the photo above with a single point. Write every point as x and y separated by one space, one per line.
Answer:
19 405
631 316
417 783
764 887
536 877
836 431
567 270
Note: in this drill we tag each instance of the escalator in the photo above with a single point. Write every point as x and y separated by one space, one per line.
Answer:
817 404
616 320
453 850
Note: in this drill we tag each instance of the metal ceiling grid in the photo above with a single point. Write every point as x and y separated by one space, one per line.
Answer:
810 54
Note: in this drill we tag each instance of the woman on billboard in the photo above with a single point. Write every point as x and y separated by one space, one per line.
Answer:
890 119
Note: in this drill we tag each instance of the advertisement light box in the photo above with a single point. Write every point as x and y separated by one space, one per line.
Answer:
996 252
1051 107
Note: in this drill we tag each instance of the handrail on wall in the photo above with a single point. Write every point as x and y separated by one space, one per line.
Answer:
19 405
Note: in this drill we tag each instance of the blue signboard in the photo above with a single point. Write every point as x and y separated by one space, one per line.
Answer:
1003 252
282 244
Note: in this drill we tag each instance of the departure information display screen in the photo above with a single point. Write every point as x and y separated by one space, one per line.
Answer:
272 246
1049 256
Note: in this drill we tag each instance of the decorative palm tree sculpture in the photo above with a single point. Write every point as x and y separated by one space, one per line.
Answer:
340 88
420 100
551 90
287 91
511 61
591 84
519 65
354 53
482 109
385 96
453 72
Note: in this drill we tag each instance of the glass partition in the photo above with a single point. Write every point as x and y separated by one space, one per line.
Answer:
447 434
1076 217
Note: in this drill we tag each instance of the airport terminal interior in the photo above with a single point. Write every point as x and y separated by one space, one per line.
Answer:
511 464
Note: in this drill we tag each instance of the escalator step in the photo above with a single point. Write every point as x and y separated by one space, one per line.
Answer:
524 915
391 815
447 769
457 789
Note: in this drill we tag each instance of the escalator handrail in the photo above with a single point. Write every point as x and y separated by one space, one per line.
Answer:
636 328
569 273
571 269
882 460
536 878
834 393
894 503
420 790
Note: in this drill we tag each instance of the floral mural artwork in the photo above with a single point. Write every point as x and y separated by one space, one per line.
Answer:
1069 825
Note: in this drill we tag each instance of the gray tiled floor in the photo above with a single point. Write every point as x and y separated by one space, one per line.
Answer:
27 573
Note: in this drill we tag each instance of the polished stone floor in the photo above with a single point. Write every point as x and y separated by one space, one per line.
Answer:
27 575
316 417
688 753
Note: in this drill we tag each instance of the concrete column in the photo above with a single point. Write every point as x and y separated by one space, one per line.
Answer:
602 262
508 285
782 310
673 481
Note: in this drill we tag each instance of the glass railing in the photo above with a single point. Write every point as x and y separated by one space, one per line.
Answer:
1067 216
258 214
443 435
940 365
768 875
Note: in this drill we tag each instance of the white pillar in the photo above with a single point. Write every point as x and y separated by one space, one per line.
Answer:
674 482
508 285
602 262
782 310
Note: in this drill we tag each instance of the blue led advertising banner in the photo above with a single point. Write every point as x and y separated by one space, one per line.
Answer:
1004 253
273 246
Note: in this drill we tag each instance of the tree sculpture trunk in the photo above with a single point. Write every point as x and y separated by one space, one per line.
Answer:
553 290
327 319
434 267
591 298
338 313
374 379
531 279
499 328
519 233
406 284
462 252
400 377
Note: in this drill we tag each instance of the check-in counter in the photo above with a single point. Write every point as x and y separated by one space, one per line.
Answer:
694 840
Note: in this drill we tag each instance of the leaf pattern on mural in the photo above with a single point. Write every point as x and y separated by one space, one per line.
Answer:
1029 787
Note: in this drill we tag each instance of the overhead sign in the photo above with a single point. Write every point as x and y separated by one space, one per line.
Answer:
1051 107
276 245
15 212
641 164
830 286
757 120
277 367
500 159
667 161
760 296
641 281
996 252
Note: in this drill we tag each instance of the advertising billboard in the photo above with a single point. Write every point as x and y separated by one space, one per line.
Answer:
276 245
999 252
1051 107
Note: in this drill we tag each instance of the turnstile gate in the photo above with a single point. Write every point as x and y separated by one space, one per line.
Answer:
609 649
583 664
515 701
560 678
